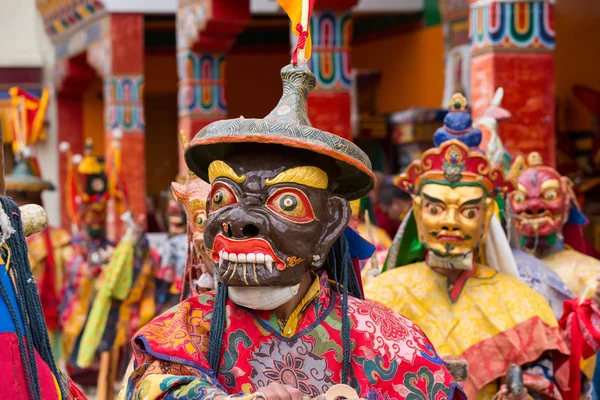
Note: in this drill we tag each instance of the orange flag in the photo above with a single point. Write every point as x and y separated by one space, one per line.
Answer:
28 116
293 8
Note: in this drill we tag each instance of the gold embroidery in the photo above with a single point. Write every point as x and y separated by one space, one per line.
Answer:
307 176
218 169
291 325
293 261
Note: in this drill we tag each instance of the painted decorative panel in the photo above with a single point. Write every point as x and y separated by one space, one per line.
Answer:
331 33
512 25
124 107
201 86
61 15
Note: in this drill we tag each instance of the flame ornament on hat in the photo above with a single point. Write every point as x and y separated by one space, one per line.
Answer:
458 124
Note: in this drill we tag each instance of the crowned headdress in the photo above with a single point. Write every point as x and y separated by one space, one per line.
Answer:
453 163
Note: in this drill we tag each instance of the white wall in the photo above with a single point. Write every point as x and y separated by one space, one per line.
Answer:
374 6
143 6
19 44
363 6
48 154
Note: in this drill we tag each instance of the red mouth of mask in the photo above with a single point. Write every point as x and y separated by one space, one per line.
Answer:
253 250
545 217
450 238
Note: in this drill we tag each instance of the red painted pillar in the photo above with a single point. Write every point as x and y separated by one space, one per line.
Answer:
512 44
71 78
70 117
330 102
201 92
124 110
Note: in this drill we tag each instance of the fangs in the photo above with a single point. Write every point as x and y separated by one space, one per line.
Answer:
536 222
235 261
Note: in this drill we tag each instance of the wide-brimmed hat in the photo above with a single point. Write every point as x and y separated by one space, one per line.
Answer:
287 125
23 179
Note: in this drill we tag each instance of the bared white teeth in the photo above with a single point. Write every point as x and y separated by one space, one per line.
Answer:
251 258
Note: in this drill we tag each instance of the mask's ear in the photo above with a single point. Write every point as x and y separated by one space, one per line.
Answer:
339 216
178 191
567 187
517 167
417 200
489 212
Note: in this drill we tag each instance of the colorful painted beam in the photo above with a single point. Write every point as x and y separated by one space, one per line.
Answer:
206 30
331 32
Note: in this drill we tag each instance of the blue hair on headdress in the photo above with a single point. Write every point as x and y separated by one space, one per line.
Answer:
458 124
360 248
576 217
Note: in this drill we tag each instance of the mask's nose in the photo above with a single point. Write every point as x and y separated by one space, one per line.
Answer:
250 230
535 209
242 225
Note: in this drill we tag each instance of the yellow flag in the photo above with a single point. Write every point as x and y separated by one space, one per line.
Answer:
293 8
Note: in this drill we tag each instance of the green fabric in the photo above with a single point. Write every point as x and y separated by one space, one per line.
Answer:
433 16
549 240
379 159
118 278
367 204
410 249
502 208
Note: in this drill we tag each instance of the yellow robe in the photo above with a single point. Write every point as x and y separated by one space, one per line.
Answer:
61 243
496 320
576 270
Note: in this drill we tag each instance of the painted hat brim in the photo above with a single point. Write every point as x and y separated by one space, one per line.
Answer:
27 185
218 139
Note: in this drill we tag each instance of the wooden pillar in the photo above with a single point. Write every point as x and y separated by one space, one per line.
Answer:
511 45
330 104
119 60
206 30
455 20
